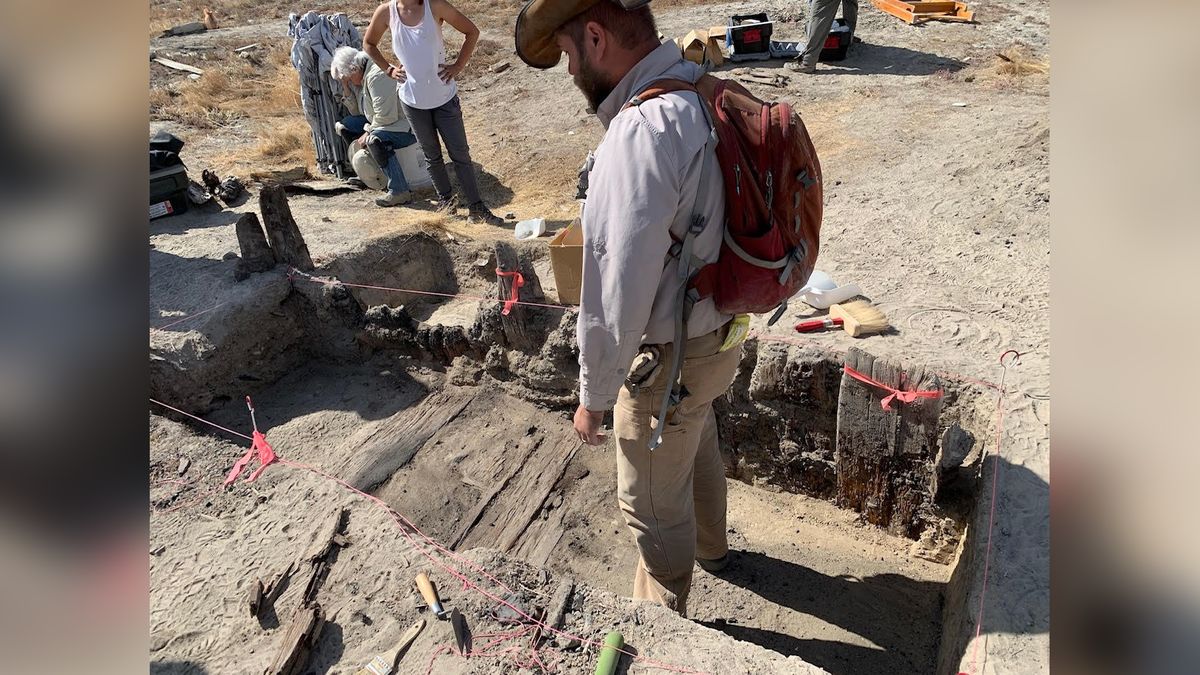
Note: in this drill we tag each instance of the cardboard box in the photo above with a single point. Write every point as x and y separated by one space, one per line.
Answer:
703 45
566 261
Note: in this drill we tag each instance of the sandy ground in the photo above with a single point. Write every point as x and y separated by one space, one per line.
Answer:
937 191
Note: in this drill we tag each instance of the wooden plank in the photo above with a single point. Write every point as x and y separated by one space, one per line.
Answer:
886 460
303 631
176 65
323 555
900 10
525 475
931 7
378 451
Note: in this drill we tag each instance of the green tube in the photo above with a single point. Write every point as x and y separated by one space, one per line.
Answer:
607 665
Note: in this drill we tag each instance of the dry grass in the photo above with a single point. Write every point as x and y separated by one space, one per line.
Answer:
236 89
286 143
1018 60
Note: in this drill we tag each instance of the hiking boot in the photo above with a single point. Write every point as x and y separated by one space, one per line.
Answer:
481 213
799 67
396 199
714 566
446 205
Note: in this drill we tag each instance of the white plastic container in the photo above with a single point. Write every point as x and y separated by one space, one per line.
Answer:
822 291
529 229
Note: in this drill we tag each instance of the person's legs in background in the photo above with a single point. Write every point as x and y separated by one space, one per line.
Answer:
821 14
850 14
449 122
425 130
383 146
350 128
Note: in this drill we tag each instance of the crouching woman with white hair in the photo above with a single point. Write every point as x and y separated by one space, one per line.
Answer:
387 129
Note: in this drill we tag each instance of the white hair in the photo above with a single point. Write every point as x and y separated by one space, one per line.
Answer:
346 61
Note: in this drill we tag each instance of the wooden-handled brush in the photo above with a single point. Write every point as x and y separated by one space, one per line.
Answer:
857 317
385 663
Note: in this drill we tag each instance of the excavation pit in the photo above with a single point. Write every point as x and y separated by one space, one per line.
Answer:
458 417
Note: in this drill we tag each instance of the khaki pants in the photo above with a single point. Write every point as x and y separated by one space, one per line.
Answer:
673 497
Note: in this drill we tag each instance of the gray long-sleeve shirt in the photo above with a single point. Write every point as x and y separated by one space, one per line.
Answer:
643 188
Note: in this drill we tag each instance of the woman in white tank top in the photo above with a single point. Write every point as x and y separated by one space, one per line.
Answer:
428 89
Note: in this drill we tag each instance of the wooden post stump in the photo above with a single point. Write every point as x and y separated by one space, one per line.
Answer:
524 327
257 255
886 460
286 240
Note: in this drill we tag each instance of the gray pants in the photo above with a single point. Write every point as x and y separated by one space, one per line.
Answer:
821 14
446 121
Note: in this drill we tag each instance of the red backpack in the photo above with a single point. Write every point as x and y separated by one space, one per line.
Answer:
773 205
773 198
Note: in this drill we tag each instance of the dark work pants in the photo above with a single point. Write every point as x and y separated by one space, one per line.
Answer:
445 121
821 14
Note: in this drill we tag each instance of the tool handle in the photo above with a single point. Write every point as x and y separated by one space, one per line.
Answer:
609 654
429 593
817 324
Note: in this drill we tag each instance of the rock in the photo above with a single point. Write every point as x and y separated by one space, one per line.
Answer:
185 29
954 446
184 463
565 643
500 66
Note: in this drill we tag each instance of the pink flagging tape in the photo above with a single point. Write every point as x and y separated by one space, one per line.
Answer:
517 282
259 447
893 393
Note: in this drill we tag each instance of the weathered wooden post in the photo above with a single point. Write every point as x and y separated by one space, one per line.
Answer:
886 459
286 240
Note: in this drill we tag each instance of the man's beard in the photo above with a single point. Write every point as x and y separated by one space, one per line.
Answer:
593 84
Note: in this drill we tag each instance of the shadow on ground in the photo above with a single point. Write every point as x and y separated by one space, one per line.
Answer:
868 59
196 217
876 608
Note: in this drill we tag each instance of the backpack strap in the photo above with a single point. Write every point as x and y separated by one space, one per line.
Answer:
687 294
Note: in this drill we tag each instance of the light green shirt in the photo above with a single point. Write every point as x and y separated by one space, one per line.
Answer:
380 101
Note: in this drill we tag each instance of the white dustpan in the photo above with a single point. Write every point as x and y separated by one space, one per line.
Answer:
822 291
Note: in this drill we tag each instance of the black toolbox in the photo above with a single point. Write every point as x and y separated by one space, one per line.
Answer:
749 37
837 44
168 191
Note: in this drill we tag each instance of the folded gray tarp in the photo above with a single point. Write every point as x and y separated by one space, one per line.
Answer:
316 36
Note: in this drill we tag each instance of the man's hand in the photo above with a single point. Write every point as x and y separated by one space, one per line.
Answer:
449 71
397 73
587 425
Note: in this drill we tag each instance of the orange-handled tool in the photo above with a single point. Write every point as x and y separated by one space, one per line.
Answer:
429 592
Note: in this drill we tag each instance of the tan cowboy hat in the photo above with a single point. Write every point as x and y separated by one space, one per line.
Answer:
536 25
540 19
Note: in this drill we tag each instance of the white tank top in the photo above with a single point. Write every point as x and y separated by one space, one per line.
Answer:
421 50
